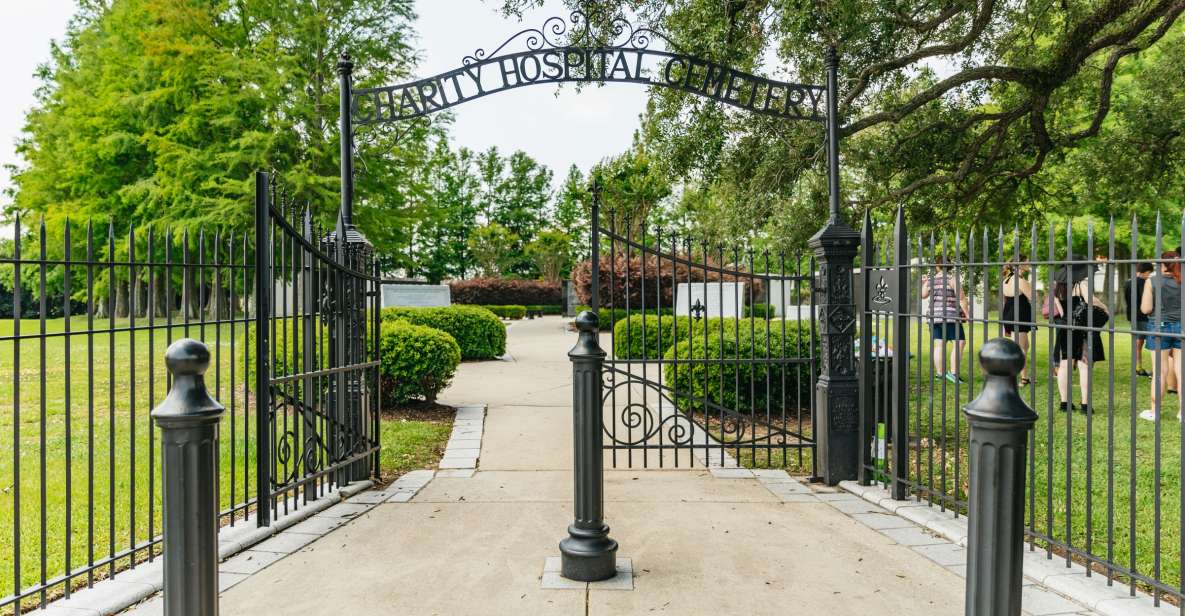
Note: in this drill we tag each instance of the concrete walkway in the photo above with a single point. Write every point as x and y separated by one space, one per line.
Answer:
699 544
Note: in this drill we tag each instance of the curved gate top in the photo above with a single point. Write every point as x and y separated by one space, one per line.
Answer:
565 51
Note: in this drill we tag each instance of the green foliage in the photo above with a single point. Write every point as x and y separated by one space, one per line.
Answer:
971 113
551 251
572 209
552 309
478 332
606 317
632 185
746 387
440 241
492 248
760 311
508 311
157 113
286 345
648 336
415 361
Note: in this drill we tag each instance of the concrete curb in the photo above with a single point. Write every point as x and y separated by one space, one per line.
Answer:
1072 581
131 586
244 549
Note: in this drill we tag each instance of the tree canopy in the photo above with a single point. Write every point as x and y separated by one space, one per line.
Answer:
964 111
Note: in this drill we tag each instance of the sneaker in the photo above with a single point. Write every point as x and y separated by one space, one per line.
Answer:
952 377
1149 414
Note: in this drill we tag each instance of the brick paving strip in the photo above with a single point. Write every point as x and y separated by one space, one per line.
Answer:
246 549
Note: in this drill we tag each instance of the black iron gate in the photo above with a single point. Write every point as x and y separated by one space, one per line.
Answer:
711 354
317 338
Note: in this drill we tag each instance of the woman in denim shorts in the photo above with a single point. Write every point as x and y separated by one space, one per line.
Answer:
947 310
1161 301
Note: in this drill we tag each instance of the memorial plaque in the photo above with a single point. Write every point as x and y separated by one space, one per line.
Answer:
416 295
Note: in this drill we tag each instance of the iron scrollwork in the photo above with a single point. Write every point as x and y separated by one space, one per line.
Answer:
573 51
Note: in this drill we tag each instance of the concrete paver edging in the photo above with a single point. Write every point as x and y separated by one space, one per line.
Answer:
1072 582
245 549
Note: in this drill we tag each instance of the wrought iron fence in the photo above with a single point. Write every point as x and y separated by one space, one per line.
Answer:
712 349
1104 474
91 310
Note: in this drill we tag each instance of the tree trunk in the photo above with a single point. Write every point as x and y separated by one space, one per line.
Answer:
121 299
157 298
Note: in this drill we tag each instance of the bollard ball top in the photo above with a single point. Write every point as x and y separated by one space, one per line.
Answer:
187 357
587 321
1001 357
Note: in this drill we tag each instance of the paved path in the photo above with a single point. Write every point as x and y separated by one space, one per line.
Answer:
699 544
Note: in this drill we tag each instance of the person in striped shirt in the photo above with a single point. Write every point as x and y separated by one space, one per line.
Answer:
947 311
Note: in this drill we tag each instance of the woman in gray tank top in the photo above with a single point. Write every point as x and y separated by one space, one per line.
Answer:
1161 301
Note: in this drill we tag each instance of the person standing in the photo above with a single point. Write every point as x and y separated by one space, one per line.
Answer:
1017 311
1161 302
1073 307
948 307
1133 292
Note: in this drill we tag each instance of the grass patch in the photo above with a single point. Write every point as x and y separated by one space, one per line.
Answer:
412 439
88 453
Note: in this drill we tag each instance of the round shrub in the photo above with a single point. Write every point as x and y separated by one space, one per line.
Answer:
508 311
733 382
415 361
479 333
648 336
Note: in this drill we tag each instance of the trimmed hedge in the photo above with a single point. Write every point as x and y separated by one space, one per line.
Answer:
547 308
607 317
415 361
478 331
718 380
508 312
761 311
648 336
505 291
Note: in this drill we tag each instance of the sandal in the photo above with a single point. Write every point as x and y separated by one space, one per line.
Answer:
1025 381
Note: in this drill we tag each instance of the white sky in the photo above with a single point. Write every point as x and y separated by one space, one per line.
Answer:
557 127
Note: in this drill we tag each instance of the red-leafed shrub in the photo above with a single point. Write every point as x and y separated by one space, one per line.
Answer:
505 291
622 277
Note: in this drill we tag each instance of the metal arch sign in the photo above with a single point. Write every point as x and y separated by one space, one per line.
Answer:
628 60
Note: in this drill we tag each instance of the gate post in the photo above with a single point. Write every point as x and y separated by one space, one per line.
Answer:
587 554
353 253
837 435
263 349
1000 422
188 420
900 432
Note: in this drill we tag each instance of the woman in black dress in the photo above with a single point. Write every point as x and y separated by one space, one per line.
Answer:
1082 346
1017 311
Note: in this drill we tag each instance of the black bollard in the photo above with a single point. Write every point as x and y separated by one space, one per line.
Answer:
188 420
1000 422
588 554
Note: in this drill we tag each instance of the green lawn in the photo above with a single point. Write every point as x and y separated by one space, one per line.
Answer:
1081 480
115 437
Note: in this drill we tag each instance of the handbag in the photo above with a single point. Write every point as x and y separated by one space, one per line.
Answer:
1083 314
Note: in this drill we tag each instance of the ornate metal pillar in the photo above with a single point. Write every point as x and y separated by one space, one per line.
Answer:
188 420
837 429
1000 422
348 325
587 554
